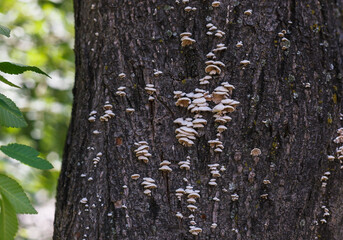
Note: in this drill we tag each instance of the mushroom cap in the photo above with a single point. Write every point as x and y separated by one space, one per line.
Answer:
185 34
210 55
215 173
150 186
218 35
185 166
188 9
92 113
209 62
121 75
245 62
91 119
193 194
215 4
121 88
142 147
213 69
199 100
179 215
165 168
239 44
219 49
218 108
187 41
147 179
248 12
147 192
165 162
221 89
221 128
208 25
199 121
219 63
213 28
212 183
129 110
192 207
214 225
143 158
186 142
180 190
183 102
191 200
180 121
189 130
255 152
135 176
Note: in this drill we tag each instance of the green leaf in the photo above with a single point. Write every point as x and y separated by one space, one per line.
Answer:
10 115
5 31
4 80
16 195
16 68
27 155
8 220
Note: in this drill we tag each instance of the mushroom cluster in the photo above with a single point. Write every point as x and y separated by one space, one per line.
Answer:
97 159
121 91
142 152
148 184
219 47
157 72
213 30
214 171
108 114
234 197
217 145
182 99
325 178
326 214
199 102
150 88
185 164
92 116
165 166
339 150
213 67
186 134
186 39
189 8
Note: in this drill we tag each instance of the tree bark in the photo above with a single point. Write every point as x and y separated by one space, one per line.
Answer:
290 102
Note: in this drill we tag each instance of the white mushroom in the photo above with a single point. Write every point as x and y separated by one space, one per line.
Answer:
135 176
215 4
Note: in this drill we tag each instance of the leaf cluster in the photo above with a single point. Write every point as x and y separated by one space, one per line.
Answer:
13 199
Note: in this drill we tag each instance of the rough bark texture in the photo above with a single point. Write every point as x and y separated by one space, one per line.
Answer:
290 109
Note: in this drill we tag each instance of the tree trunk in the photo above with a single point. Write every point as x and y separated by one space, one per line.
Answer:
290 98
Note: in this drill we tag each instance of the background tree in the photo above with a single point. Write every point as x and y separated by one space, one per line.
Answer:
284 60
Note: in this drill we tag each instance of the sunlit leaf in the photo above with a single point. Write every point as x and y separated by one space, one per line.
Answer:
27 155
4 80
8 219
16 68
10 115
16 195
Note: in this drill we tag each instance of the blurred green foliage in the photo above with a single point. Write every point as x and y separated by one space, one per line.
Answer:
43 36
